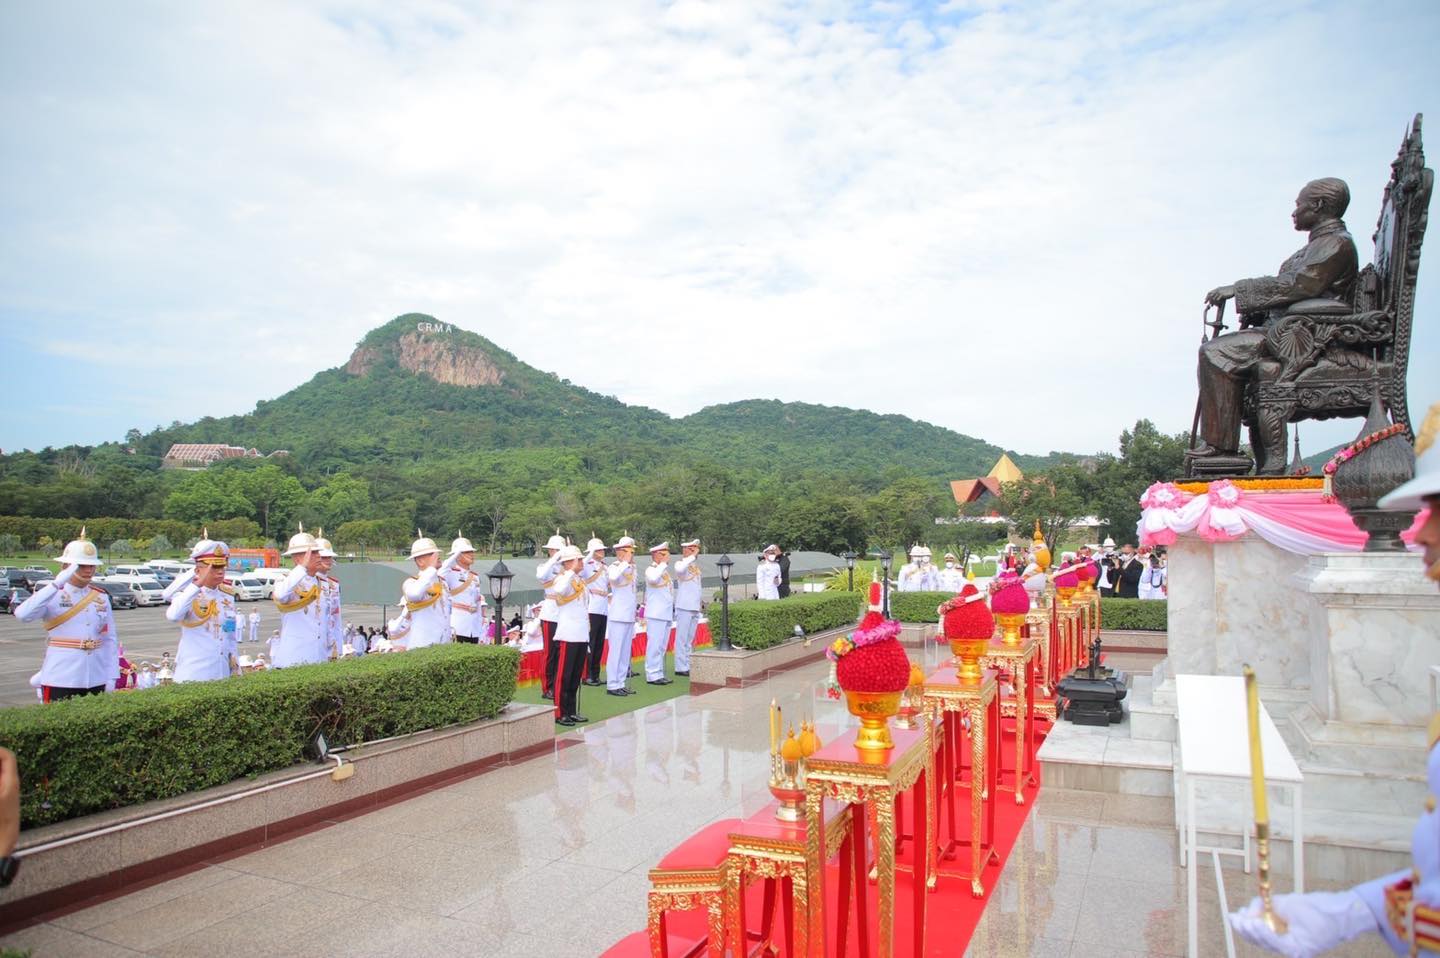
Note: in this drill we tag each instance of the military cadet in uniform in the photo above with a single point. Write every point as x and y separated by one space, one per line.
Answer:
767 574
620 617
332 631
572 631
205 611
659 611
918 575
597 588
425 597
297 596
467 598
545 574
83 654
687 603
952 577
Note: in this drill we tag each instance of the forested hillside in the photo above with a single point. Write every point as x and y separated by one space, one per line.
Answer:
435 427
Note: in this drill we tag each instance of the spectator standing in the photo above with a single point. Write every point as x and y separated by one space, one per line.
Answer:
782 559
1154 580
1129 570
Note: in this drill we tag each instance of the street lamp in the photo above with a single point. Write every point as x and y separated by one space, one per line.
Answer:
724 565
885 559
849 558
499 578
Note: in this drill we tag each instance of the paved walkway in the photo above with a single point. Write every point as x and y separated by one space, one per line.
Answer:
549 857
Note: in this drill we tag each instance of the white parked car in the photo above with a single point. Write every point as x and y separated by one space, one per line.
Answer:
146 588
168 565
247 589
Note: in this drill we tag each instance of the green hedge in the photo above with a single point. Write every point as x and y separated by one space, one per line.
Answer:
101 752
917 606
1142 615
760 625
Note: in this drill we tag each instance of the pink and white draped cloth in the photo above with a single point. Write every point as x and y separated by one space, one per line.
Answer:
1305 523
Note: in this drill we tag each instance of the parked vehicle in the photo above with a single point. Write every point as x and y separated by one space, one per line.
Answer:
120 595
167 565
247 589
146 589
36 568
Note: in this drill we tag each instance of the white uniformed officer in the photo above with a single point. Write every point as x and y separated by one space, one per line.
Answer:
205 611
918 575
597 589
425 596
254 626
83 654
545 575
687 603
620 617
332 633
952 577
467 598
297 596
659 611
572 631
767 574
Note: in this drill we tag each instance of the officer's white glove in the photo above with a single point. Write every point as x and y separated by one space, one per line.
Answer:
180 582
64 576
1318 920
450 562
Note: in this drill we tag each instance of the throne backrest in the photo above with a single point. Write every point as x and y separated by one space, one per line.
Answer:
1400 232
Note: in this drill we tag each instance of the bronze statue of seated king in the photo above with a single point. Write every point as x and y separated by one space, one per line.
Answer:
1319 338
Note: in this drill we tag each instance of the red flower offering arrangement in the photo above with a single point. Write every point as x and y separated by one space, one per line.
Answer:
968 625
872 668
1008 595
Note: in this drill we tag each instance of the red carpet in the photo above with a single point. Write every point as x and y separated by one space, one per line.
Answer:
951 913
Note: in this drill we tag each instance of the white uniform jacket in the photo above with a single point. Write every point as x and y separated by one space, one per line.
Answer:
332 636
467 602
687 583
83 651
207 633
572 616
622 591
659 592
429 606
597 587
950 580
302 625
545 575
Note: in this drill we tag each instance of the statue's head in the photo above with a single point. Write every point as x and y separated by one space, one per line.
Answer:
1323 199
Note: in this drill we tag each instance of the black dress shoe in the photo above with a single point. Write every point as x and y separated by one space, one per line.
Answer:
685 673
578 719
628 690
548 696
566 721
593 682
632 674
620 692
659 681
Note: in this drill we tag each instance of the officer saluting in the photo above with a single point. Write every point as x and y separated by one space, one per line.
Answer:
597 589
572 631
687 603
332 623
467 599
545 575
620 617
298 598
659 610
205 612
83 654
425 596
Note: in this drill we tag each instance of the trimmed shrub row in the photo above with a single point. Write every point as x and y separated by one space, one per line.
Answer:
758 625
917 606
1141 615
101 752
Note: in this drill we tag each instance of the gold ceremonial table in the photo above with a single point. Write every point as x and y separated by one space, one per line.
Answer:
1018 660
764 847
1070 619
843 772
947 700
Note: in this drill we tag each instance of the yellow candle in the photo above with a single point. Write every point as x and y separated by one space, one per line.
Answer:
1257 760
774 726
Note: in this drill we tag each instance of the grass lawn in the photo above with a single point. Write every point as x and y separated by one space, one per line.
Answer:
595 705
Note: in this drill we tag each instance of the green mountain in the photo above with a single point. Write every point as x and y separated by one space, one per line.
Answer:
418 389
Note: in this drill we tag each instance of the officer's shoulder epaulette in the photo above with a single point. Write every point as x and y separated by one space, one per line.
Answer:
227 588
96 588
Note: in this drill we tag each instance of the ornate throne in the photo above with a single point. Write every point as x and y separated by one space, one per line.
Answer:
1324 359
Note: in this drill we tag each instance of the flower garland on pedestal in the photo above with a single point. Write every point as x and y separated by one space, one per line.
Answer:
871 667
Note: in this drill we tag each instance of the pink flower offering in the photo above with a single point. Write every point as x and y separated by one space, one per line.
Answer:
1067 580
1010 597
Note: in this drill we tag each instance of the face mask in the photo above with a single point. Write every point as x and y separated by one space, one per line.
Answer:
949 565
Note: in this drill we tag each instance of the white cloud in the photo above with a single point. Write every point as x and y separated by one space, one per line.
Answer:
974 215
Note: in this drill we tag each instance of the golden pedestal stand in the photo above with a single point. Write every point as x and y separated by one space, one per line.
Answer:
1018 660
948 699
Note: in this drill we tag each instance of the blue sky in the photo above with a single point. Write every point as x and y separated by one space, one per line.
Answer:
993 208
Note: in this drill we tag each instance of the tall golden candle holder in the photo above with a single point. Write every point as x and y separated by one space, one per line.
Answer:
1273 921
787 765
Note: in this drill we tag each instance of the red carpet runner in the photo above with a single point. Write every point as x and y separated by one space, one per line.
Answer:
951 913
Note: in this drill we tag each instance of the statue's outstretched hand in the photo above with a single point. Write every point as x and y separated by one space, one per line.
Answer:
1219 294
1318 922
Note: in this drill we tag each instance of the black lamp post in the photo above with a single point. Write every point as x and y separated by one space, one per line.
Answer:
499 578
885 559
724 564
849 558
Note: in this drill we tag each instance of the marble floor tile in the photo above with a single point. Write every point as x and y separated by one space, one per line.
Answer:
148 928
144 898
49 939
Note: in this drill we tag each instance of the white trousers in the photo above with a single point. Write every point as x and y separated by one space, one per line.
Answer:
686 621
617 659
657 637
